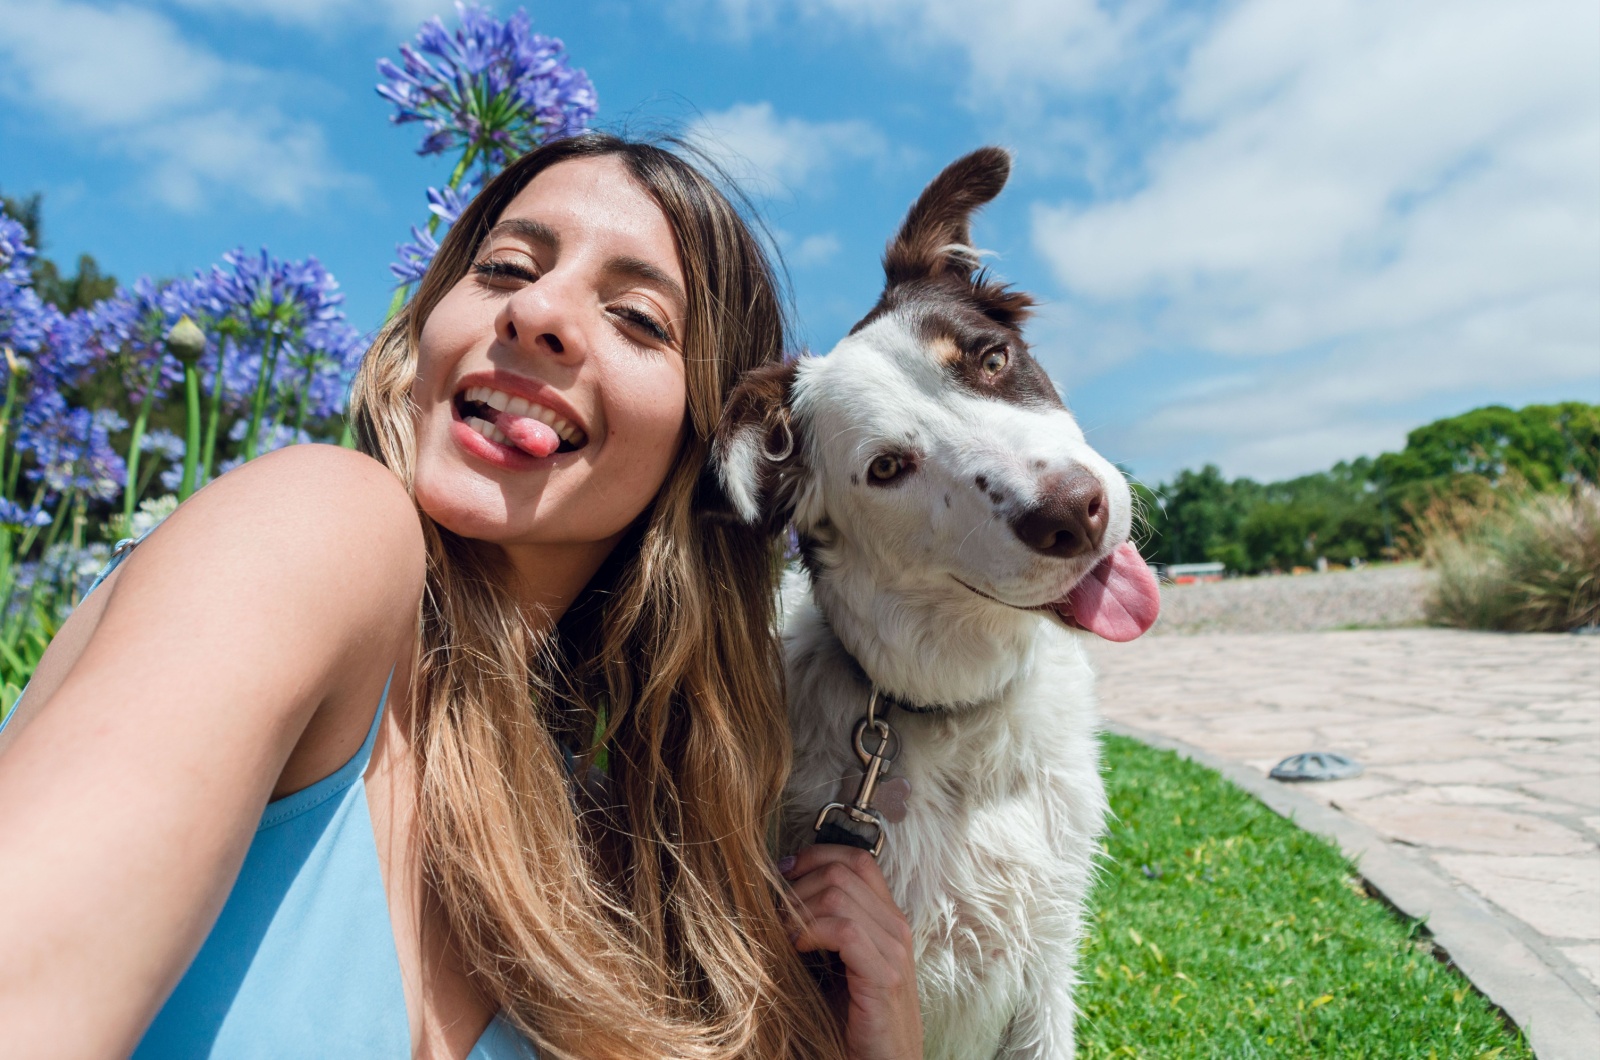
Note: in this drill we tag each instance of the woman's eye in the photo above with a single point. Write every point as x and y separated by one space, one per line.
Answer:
995 361
644 322
500 271
886 468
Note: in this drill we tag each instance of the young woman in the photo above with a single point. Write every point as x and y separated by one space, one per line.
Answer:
295 780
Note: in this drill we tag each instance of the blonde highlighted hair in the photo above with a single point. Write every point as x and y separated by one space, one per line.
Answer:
645 923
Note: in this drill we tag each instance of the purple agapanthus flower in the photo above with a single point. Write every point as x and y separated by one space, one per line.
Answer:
415 256
446 204
259 309
25 320
493 91
127 333
163 443
15 516
45 353
15 253
73 451
490 87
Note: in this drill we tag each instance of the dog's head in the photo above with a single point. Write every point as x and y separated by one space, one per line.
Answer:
930 451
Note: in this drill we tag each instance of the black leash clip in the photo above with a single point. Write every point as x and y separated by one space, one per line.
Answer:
877 762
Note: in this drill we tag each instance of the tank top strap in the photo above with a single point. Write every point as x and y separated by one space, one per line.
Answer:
293 805
364 755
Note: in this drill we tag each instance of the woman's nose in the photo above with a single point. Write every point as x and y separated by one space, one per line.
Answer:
543 318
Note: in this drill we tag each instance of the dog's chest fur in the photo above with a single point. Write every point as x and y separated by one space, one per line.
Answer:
994 858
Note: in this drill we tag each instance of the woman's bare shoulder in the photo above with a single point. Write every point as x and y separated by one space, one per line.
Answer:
308 545
317 509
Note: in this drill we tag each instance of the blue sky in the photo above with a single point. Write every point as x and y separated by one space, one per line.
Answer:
1268 236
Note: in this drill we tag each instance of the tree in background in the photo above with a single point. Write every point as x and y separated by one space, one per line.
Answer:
78 291
1367 509
1542 445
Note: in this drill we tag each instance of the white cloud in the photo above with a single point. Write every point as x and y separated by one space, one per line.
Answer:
815 250
769 153
1400 202
275 161
326 13
1010 47
1362 214
125 79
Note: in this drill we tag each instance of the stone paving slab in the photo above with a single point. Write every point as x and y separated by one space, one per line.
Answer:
1482 753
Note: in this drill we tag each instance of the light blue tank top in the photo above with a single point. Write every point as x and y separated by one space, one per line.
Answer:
302 961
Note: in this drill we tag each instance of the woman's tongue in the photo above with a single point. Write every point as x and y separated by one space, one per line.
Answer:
534 437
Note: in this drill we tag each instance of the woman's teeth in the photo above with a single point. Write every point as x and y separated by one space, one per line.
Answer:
488 430
518 406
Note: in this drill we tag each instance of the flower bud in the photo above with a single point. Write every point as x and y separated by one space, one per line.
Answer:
186 341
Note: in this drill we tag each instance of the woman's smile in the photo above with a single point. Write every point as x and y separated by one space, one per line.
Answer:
514 422
550 388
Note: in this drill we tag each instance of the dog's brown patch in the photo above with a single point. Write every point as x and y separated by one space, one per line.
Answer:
945 350
959 312
760 402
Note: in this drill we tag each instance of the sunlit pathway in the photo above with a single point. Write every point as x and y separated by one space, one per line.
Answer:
1482 752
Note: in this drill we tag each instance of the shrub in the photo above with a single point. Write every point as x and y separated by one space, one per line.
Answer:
1520 561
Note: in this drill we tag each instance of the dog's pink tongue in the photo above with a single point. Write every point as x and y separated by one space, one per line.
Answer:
534 437
1119 599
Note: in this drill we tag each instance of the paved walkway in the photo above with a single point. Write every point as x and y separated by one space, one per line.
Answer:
1482 753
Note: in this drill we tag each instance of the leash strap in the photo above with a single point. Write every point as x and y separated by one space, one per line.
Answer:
876 759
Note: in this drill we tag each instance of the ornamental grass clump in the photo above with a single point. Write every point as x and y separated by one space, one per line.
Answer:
1517 561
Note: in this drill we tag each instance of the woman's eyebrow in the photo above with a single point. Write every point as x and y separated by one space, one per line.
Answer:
533 231
639 269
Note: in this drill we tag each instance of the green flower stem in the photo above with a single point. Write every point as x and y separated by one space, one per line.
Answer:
74 500
191 434
31 532
11 476
213 417
9 556
55 524
457 175
5 416
258 404
130 489
303 398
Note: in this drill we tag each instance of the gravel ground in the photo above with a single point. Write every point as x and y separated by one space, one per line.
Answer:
1372 598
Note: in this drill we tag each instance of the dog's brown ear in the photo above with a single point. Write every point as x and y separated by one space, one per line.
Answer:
756 451
936 238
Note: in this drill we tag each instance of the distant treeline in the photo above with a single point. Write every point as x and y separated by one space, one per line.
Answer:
1367 509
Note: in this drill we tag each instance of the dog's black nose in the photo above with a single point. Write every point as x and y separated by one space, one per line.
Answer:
1070 518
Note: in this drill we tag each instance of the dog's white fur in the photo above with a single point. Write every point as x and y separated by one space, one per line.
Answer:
994 859
993 862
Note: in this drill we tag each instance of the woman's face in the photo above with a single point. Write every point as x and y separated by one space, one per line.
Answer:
550 380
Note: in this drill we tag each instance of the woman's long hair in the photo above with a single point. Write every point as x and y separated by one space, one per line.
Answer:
647 924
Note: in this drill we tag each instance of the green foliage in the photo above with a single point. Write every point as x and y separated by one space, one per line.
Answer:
1541 445
1527 561
1368 509
1221 930
24 635
78 291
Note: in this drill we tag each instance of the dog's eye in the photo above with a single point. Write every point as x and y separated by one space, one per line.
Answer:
886 468
995 361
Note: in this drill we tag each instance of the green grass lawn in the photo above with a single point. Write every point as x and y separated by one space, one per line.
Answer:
1221 930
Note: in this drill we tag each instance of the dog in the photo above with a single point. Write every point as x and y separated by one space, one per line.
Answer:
958 537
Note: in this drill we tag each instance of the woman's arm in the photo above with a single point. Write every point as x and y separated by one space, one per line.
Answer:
276 598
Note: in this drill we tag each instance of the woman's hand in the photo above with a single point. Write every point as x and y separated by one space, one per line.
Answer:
848 910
